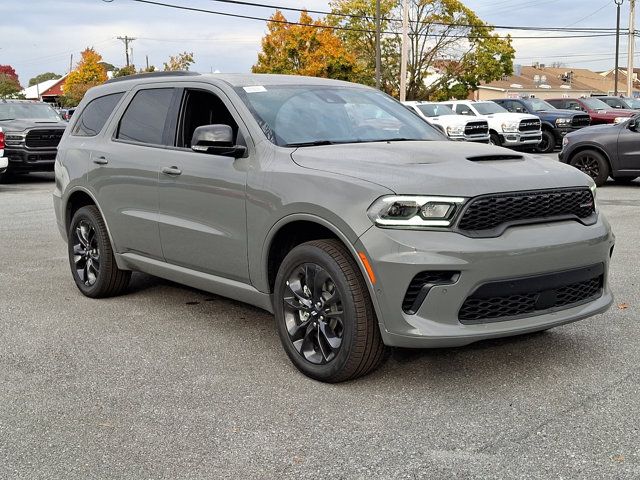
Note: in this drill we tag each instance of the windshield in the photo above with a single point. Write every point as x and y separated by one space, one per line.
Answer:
299 115
632 103
435 110
487 108
538 105
595 104
12 111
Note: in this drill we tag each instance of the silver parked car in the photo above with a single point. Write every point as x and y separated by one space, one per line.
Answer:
331 205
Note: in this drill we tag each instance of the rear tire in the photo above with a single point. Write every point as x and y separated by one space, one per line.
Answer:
593 164
548 142
324 315
91 259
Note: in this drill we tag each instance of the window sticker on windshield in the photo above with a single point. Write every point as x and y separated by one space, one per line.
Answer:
254 89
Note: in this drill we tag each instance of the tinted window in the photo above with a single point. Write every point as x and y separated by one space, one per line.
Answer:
488 108
434 109
145 116
95 115
202 108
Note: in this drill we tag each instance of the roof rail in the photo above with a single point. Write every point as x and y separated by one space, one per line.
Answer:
178 73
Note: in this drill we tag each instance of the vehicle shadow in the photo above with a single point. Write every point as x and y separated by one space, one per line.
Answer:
514 360
36 177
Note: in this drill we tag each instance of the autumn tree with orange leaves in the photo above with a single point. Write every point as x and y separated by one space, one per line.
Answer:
304 49
88 73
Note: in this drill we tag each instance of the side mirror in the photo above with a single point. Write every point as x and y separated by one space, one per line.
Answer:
633 125
216 140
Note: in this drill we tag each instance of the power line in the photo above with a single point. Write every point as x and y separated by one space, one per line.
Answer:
372 18
335 27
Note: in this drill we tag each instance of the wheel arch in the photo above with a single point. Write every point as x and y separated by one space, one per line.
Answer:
597 148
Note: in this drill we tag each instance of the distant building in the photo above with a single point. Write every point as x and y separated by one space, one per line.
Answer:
47 91
543 82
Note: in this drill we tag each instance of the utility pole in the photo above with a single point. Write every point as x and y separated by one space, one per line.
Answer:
378 49
632 38
618 3
71 63
405 50
126 41
147 59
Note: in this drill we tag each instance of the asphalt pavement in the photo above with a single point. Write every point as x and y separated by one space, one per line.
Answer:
168 382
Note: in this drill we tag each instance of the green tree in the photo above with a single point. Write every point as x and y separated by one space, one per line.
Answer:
125 71
181 61
445 37
9 86
43 77
87 74
305 49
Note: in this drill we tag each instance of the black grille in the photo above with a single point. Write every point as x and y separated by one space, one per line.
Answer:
43 138
488 305
476 128
529 125
581 121
420 286
490 214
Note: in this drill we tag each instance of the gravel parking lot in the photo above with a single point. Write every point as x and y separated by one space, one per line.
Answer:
171 382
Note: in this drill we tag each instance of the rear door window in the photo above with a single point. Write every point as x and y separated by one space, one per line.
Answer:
145 118
95 115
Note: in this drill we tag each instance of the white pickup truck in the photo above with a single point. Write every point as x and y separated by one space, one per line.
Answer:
505 128
4 161
457 127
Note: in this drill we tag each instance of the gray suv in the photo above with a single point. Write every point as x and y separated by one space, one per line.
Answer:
331 205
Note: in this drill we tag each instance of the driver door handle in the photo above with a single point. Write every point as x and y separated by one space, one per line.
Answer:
100 161
174 171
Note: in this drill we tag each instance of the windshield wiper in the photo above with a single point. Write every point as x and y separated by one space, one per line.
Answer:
6 119
315 143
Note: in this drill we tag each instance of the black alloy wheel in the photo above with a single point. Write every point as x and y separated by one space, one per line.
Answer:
593 164
86 253
324 315
93 265
313 313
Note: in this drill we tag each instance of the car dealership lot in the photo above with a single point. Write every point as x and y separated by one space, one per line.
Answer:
171 382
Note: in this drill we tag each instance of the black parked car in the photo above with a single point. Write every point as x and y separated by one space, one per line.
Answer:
604 151
32 131
556 123
622 102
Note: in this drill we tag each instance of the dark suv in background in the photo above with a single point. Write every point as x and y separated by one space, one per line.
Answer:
627 103
32 131
556 123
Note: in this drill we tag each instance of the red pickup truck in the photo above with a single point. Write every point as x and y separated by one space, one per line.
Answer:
599 111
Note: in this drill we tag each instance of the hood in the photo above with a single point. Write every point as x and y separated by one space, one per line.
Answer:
19 125
596 130
441 168
511 117
560 113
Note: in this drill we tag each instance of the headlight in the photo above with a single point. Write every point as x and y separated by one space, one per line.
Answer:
593 192
456 130
563 122
414 211
510 127
620 119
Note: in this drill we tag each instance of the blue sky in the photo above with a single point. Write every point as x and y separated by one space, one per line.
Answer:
40 35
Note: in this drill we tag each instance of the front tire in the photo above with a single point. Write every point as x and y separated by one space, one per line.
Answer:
93 265
548 142
593 164
324 315
494 139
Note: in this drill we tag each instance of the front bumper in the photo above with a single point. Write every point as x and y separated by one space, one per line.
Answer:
4 161
470 138
30 160
398 255
519 139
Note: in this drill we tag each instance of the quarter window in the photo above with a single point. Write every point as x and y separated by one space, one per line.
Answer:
146 115
95 115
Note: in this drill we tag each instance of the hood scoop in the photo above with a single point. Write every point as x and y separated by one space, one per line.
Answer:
494 158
